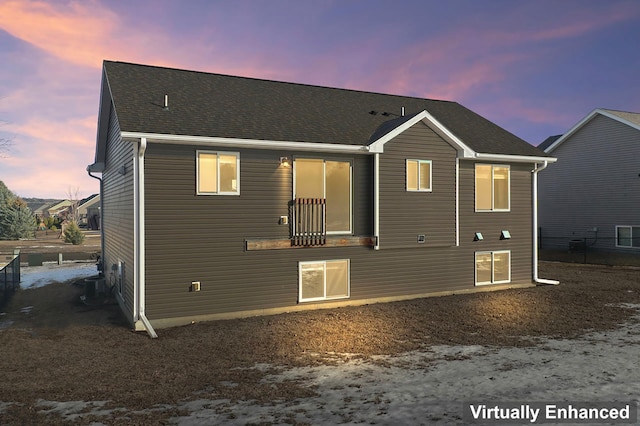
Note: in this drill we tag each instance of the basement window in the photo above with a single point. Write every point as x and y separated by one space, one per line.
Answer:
419 175
628 236
324 280
217 173
493 267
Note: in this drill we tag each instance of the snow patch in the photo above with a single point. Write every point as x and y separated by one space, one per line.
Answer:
39 276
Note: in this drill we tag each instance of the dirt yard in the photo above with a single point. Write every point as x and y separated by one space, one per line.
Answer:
58 349
51 242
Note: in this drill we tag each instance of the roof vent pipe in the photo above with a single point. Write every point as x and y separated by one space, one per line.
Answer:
166 102
402 112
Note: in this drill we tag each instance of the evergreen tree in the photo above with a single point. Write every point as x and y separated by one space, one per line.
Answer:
73 234
16 219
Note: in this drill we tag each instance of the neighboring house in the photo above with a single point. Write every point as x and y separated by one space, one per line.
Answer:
227 196
89 212
60 209
40 212
593 192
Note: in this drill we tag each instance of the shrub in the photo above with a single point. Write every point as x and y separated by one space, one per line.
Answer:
53 228
73 234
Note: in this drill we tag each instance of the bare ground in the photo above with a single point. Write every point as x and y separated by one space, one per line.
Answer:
51 242
62 350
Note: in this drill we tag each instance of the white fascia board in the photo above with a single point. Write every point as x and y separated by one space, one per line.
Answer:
572 130
245 143
429 120
513 158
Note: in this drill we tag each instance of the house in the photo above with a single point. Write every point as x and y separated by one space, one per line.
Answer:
228 196
60 209
40 211
592 195
89 212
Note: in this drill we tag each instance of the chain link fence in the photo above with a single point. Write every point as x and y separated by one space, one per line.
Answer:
575 249
9 276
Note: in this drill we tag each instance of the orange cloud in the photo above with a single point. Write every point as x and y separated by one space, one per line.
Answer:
83 33
48 176
76 32
48 156
73 133
586 22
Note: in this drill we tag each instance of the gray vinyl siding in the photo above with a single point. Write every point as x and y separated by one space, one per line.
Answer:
594 184
518 221
117 212
193 237
405 214
201 238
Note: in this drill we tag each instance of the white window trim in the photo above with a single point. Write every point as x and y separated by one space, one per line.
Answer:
217 153
493 209
324 262
406 168
324 187
631 247
493 281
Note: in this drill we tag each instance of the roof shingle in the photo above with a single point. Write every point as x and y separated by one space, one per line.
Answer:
215 105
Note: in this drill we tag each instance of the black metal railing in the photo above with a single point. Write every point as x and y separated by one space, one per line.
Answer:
309 222
9 278
586 248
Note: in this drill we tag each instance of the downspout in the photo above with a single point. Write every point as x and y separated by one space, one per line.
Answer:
376 200
139 243
457 201
537 279
101 222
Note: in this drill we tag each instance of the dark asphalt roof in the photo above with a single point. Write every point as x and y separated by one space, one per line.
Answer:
548 142
215 105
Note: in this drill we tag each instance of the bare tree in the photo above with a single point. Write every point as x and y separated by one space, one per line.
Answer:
73 195
5 146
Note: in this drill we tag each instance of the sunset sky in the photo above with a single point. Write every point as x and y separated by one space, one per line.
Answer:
533 67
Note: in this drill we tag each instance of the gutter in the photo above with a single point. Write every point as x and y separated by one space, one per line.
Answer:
515 159
139 265
536 278
245 143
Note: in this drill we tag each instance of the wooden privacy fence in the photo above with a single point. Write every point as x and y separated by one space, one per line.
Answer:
309 222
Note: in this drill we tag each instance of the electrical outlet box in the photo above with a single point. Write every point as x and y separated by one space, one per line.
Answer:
195 285
422 238
284 220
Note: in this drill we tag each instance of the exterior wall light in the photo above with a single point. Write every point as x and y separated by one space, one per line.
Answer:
478 237
505 235
285 162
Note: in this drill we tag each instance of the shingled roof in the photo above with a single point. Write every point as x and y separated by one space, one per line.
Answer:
215 105
548 142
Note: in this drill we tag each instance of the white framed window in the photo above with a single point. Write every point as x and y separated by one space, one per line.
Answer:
628 236
493 267
493 187
328 179
324 280
418 175
217 173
